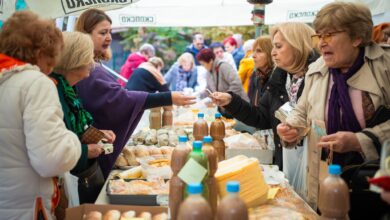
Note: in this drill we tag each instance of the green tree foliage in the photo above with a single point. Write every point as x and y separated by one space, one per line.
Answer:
170 42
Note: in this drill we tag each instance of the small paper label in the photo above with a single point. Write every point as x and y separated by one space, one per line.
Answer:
192 172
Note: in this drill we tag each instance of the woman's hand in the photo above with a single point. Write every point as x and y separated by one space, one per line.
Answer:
178 98
287 133
109 136
94 150
342 141
221 98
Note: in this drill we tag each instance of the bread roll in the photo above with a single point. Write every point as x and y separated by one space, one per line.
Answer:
154 151
127 215
121 161
112 215
129 154
145 216
141 151
161 216
167 151
94 215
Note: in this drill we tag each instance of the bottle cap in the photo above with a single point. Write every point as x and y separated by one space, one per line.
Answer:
197 145
183 138
218 115
200 115
207 139
233 186
334 169
194 188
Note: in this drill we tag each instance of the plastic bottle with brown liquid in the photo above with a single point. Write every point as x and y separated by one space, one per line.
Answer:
333 200
167 117
211 182
195 207
155 118
200 157
201 128
217 132
176 185
231 206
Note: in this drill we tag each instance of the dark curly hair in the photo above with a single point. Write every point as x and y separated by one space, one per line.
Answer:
25 36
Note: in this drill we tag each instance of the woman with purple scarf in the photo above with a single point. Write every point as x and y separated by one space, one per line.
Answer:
343 91
112 106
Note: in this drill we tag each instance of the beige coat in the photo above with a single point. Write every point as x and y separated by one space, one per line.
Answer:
34 142
311 106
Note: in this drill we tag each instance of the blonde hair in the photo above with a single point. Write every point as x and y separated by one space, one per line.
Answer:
77 52
156 62
354 18
264 43
298 35
186 58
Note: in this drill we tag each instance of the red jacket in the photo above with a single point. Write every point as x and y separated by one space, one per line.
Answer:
132 63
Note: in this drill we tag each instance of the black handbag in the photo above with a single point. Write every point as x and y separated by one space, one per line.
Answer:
90 183
366 204
91 180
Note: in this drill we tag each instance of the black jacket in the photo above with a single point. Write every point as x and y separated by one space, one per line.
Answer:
143 80
263 116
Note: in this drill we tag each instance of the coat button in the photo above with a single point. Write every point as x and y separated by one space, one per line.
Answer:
281 97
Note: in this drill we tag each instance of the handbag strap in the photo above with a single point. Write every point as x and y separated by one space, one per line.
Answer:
374 139
361 167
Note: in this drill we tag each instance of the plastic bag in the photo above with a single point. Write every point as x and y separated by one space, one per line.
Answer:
151 172
71 189
294 167
243 140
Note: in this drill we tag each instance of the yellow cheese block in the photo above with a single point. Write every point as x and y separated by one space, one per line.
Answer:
253 189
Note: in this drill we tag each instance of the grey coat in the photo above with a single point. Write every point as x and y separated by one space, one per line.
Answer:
223 78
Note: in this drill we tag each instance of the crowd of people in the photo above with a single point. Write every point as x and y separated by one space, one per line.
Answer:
54 91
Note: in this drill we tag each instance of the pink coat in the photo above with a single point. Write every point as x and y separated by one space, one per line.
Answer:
132 63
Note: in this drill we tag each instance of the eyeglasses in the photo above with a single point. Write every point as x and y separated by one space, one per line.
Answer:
326 37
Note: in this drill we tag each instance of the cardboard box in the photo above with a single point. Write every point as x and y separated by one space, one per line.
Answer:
264 156
78 212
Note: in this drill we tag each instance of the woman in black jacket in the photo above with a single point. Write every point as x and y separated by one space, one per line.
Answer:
292 53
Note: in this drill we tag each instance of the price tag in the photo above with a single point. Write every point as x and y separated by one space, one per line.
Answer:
192 172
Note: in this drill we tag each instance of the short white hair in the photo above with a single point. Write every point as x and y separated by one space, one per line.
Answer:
238 38
147 49
248 45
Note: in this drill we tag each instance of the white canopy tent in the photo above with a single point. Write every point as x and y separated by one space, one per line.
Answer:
304 11
181 13
61 8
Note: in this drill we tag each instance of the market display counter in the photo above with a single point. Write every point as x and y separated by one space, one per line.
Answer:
285 204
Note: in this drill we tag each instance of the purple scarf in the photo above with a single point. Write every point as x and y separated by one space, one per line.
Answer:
341 116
